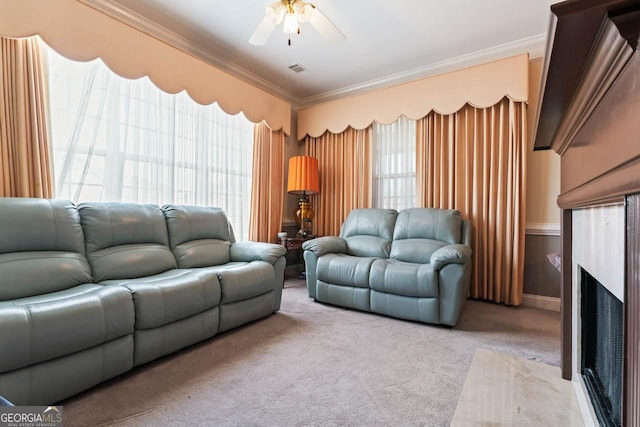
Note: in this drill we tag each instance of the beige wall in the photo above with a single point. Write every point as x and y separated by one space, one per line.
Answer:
543 214
543 169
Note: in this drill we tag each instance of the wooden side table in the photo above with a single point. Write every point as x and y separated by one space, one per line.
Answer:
293 245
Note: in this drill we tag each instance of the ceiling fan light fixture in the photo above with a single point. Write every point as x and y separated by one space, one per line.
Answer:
274 13
294 13
304 11
290 23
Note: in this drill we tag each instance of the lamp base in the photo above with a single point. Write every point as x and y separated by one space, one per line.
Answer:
304 217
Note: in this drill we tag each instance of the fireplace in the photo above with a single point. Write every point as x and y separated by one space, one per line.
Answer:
588 114
597 265
602 319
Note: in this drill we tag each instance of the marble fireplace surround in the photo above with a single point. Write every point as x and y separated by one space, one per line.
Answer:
598 246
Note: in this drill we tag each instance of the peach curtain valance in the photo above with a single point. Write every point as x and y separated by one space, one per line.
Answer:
82 33
481 86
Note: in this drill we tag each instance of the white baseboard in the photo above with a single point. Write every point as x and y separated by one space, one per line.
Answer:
541 301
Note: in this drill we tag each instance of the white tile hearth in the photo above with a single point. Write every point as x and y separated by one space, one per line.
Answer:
503 390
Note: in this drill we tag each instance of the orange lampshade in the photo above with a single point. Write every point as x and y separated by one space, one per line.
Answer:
303 175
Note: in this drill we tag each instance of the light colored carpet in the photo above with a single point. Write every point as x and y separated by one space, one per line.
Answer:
315 364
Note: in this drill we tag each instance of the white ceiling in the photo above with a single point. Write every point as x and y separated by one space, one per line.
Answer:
387 41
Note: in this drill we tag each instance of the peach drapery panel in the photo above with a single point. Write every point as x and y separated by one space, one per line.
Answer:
25 167
344 163
474 160
267 183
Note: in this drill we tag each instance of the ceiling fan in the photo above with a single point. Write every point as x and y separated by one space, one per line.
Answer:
294 13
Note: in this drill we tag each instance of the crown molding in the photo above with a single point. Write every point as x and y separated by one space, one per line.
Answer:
144 25
533 45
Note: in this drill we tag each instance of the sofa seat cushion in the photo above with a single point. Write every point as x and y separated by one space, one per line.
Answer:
404 278
170 296
345 270
44 327
240 281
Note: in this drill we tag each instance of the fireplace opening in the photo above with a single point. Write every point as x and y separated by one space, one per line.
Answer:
602 350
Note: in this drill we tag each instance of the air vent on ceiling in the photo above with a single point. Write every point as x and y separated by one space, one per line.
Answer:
297 68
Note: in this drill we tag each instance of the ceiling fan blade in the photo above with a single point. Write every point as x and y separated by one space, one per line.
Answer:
263 32
326 27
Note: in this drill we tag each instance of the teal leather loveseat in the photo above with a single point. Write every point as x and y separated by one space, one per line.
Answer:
414 265
89 292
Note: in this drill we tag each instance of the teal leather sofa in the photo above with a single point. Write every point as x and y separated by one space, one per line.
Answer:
414 265
89 292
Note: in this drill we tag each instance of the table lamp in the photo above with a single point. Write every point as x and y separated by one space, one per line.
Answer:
303 180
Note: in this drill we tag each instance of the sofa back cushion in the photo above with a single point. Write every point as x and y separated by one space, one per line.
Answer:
368 232
125 240
41 247
421 231
198 236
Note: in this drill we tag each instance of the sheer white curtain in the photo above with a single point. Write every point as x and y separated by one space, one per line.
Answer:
116 139
394 164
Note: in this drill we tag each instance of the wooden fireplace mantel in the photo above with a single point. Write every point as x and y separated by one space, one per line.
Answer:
575 24
589 109
590 114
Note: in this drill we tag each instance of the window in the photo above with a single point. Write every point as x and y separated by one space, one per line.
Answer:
394 164
116 139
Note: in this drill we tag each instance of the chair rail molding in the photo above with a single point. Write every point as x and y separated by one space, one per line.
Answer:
542 229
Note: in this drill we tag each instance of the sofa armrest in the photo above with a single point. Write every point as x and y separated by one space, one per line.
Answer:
256 251
450 254
326 245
